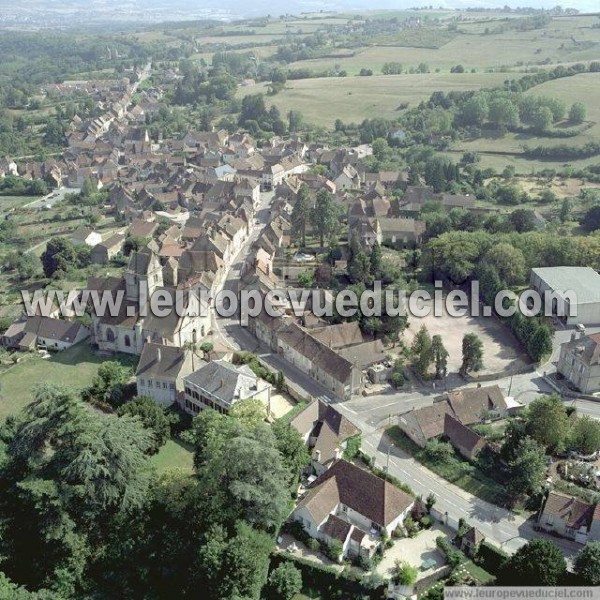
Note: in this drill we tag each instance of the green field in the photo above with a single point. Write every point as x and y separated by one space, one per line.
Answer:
73 368
474 49
324 100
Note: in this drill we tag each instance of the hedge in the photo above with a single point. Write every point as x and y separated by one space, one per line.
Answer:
329 582
490 558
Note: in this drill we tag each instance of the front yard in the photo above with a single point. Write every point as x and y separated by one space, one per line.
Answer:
457 470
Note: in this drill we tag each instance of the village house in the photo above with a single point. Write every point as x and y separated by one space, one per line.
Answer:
44 333
323 364
570 517
160 372
325 431
579 362
466 407
352 506
105 251
219 385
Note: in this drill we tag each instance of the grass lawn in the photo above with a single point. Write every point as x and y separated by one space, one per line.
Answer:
458 471
480 574
173 455
73 368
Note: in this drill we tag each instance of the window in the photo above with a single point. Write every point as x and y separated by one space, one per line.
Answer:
171 386
110 335
142 382
149 383
165 385
127 341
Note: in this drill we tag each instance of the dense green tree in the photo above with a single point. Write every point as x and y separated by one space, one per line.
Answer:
292 448
527 469
440 356
543 118
472 354
358 265
522 220
577 113
587 564
591 219
152 416
539 344
67 476
325 217
539 562
107 384
547 423
584 435
508 262
422 351
285 582
503 112
301 213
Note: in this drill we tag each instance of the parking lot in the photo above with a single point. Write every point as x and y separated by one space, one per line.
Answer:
501 351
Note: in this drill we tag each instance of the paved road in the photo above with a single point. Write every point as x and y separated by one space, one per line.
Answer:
372 414
49 200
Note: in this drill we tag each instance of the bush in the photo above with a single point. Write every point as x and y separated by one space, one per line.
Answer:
453 556
333 550
426 522
411 527
404 573
313 544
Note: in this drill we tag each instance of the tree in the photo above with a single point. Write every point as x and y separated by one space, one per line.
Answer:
540 343
108 382
527 469
472 354
565 210
542 118
430 501
547 423
422 351
285 582
584 436
60 255
577 113
292 448
152 417
440 356
358 266
295 120
475 110
591 219
325 217
587 564
381 148
539 562
68 477
508 262
503 113
376 260
403 573
301 213
522 220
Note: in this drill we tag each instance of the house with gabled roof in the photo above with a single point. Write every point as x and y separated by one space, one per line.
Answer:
325 431
160 372
351 505
569 517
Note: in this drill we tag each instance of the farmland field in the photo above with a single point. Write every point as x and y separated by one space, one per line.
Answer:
324 100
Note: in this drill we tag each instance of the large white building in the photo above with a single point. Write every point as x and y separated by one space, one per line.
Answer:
577 289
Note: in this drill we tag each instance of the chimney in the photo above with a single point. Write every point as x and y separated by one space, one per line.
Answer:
573 336
158 355
317 456
338 453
